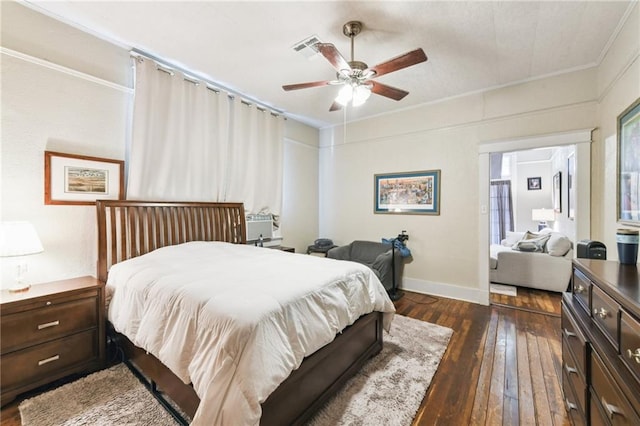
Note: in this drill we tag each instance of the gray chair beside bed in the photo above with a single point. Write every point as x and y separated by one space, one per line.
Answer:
377 256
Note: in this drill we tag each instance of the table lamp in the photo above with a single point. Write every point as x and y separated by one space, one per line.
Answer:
19 239
542 216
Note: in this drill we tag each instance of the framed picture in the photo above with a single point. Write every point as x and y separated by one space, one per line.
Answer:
81 180
534 183
556 192
628 170
407 193
571 190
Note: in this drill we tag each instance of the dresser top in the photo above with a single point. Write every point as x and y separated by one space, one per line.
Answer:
623 280
47 289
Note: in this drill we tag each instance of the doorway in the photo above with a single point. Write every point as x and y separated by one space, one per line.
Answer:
577 226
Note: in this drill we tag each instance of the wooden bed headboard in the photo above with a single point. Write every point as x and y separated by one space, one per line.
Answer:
127 229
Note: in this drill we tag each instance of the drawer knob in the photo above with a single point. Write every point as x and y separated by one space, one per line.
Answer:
48 360
601 313
569 333
570 370
634 355
579 289
570 405
48 324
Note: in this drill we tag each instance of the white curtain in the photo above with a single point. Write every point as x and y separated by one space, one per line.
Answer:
191 143
256 156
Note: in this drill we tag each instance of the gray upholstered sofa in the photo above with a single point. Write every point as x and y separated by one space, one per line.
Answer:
549 269
377 256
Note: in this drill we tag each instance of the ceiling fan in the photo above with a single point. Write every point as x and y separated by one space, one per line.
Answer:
356 76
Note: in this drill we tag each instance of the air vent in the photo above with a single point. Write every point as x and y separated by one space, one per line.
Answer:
307 47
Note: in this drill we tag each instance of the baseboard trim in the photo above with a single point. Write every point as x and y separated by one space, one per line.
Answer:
467 294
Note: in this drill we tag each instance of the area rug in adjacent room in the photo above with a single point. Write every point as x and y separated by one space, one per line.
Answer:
507 290
388 390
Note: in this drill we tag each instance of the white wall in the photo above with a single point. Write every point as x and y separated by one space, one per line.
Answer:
525 199
47 108
618 83
441 136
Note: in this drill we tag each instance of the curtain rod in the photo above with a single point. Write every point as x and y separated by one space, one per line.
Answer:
212 85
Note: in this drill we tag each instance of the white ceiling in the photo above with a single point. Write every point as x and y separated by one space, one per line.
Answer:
247 46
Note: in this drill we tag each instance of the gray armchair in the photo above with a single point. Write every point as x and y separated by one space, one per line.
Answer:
377 256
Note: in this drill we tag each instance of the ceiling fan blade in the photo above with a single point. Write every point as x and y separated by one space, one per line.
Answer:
335 106
297 86
334 57
387 91
400 62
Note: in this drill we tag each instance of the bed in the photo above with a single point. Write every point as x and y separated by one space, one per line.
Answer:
135 231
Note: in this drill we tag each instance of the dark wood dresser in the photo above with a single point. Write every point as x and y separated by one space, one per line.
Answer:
48 332
601 344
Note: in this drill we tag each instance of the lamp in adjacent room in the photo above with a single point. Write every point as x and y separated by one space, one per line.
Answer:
542 216
19 239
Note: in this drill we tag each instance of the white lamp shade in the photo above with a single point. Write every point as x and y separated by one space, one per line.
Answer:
344 95
19 239
360 95
543 215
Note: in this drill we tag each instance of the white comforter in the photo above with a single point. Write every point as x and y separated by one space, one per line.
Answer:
235 320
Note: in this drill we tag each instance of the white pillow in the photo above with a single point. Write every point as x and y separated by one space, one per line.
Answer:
532 242
558 244
512 238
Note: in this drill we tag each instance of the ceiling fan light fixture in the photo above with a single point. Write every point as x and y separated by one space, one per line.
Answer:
360 95
345 95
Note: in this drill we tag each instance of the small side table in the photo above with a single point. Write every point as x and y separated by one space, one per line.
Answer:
283 248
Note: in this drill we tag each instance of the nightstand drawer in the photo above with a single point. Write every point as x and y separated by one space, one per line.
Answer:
50 322
47 359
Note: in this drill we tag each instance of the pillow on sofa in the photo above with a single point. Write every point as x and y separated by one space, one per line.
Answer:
532 242
512 238
558 244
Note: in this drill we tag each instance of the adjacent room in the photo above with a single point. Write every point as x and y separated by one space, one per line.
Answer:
319 212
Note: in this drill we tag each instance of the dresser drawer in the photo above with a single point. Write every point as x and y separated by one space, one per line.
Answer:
575 377
50 322
575 340
570 403
630 343
45 360
608 396
581 289
605 313
596 416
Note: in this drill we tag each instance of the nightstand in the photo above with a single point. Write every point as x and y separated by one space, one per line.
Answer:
284 248
49 332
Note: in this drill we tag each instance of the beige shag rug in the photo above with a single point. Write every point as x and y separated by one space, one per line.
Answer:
388 390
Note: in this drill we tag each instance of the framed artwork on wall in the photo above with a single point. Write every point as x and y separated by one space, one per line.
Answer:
534 183
80 179
571 191
407 193
628 166
556 192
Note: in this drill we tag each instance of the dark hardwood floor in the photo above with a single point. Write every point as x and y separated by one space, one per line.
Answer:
531 299
502 366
